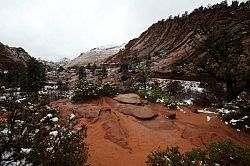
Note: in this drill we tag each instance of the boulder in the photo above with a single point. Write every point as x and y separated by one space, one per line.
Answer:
139 112
129 98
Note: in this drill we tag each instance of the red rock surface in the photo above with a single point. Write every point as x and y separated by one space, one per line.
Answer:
116 139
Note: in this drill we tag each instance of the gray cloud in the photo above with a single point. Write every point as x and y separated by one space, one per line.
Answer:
52 29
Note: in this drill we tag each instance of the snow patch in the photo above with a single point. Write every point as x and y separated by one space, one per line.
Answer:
53 133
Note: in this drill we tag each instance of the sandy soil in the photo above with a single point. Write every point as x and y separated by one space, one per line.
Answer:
116 139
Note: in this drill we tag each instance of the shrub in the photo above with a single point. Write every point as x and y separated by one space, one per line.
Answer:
86 90
157 95
227 153
129 86
237 112
201 99
223 153
34 134
215 92
170 156
175 89
108 90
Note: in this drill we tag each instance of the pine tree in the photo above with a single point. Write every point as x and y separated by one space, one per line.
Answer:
221 43
81 72
35 75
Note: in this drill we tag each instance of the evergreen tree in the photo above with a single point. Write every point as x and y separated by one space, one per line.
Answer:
34 134
88 66
60 69
104 71
81 72
93 68
35 75
143 75
221 41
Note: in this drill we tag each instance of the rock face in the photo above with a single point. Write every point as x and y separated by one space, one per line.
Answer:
139 112
168 42
129 98
12 57
96 55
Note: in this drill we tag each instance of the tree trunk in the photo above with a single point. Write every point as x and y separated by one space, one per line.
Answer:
231 91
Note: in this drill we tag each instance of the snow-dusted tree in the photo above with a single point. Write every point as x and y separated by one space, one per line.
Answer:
219 38
35 75
32 133
85 90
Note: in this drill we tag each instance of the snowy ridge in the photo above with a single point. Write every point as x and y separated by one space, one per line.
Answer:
96 55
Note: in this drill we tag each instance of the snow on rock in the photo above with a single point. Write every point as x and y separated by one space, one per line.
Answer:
72 116
5 131
234 121
3 98
205 110
160 100
49 149
25 150
224 111
55 119
208 118
20 100
179 108
189 101
245 117
53 133
49 115
96 55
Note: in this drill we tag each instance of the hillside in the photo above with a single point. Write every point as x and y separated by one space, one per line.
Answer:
12 57
169 42
96 55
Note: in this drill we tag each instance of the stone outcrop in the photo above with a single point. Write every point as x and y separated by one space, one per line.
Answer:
139 112
129 98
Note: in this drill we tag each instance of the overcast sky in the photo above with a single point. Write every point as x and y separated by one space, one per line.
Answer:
53 29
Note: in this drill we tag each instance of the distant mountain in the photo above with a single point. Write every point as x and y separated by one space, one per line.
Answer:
96 55
13 57
63 61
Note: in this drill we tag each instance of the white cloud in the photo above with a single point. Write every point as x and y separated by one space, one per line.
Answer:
52 29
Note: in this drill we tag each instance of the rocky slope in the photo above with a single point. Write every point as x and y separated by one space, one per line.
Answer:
12 57
168 42
118 138
96 55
